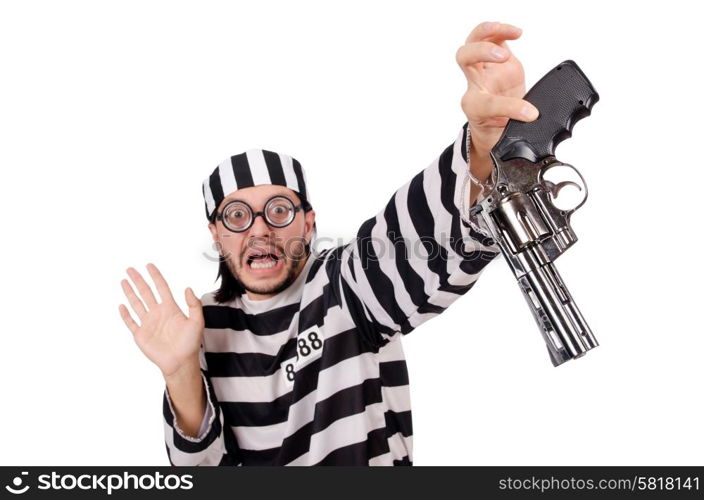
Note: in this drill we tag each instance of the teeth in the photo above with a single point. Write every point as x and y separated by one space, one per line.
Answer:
263 265
267 257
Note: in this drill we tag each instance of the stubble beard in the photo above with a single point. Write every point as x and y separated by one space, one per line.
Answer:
292 266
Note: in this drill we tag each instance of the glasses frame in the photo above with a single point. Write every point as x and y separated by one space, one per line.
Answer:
303 206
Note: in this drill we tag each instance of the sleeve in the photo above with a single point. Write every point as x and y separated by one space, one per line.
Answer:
206 422
419 254
209 447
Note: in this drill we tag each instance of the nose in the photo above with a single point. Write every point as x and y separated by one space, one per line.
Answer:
259 227
259 235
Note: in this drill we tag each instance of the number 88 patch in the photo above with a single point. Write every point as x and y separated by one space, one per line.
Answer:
309 347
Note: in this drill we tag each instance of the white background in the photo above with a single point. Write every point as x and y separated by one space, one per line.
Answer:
111 114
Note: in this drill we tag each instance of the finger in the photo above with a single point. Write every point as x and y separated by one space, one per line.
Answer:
135 301
127 318
476 52
491 106
161 285
494 30
195 307
144 289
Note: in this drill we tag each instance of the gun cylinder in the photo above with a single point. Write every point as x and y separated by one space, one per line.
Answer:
518 217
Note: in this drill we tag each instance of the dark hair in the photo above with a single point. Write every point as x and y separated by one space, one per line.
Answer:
230 287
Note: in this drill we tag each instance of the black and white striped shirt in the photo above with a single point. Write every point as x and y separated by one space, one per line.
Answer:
316 375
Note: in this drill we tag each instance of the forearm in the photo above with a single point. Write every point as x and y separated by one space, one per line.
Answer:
187 394
443 254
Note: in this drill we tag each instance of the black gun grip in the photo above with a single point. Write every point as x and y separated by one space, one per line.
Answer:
563 96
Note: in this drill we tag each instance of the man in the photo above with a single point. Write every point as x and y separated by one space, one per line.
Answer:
296 359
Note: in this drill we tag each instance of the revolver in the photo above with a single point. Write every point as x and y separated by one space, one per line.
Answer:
530 198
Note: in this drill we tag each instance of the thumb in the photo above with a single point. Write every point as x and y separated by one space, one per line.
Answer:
195 308
517 109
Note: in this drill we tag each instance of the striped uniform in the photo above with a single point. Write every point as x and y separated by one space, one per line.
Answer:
316 374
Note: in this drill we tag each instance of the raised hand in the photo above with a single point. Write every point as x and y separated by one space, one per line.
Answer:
166 335
495 83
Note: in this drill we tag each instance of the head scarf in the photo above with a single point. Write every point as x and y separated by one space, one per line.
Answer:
253 168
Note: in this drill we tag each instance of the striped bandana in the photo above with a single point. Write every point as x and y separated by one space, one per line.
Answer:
252 168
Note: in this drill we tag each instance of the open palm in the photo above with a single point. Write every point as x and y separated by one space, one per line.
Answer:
166 335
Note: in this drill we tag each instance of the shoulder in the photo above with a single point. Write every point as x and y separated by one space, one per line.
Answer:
324 267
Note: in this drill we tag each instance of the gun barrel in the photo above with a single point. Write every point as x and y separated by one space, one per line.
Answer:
566 333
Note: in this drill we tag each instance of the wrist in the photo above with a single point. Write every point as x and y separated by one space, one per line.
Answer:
481 148
480 165
188 371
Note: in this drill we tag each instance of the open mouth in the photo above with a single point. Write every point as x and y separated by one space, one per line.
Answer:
263 261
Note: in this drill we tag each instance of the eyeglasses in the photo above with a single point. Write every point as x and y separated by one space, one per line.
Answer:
279 211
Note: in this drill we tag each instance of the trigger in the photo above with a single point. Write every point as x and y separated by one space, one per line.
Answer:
556 188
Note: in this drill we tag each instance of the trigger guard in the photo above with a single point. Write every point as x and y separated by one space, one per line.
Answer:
553 188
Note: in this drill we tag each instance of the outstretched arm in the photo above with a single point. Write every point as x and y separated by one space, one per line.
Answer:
422 251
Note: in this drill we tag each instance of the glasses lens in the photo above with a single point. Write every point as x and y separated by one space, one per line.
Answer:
279 211
236 216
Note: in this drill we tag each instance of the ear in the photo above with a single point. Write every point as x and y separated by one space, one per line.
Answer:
310 221
213 231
